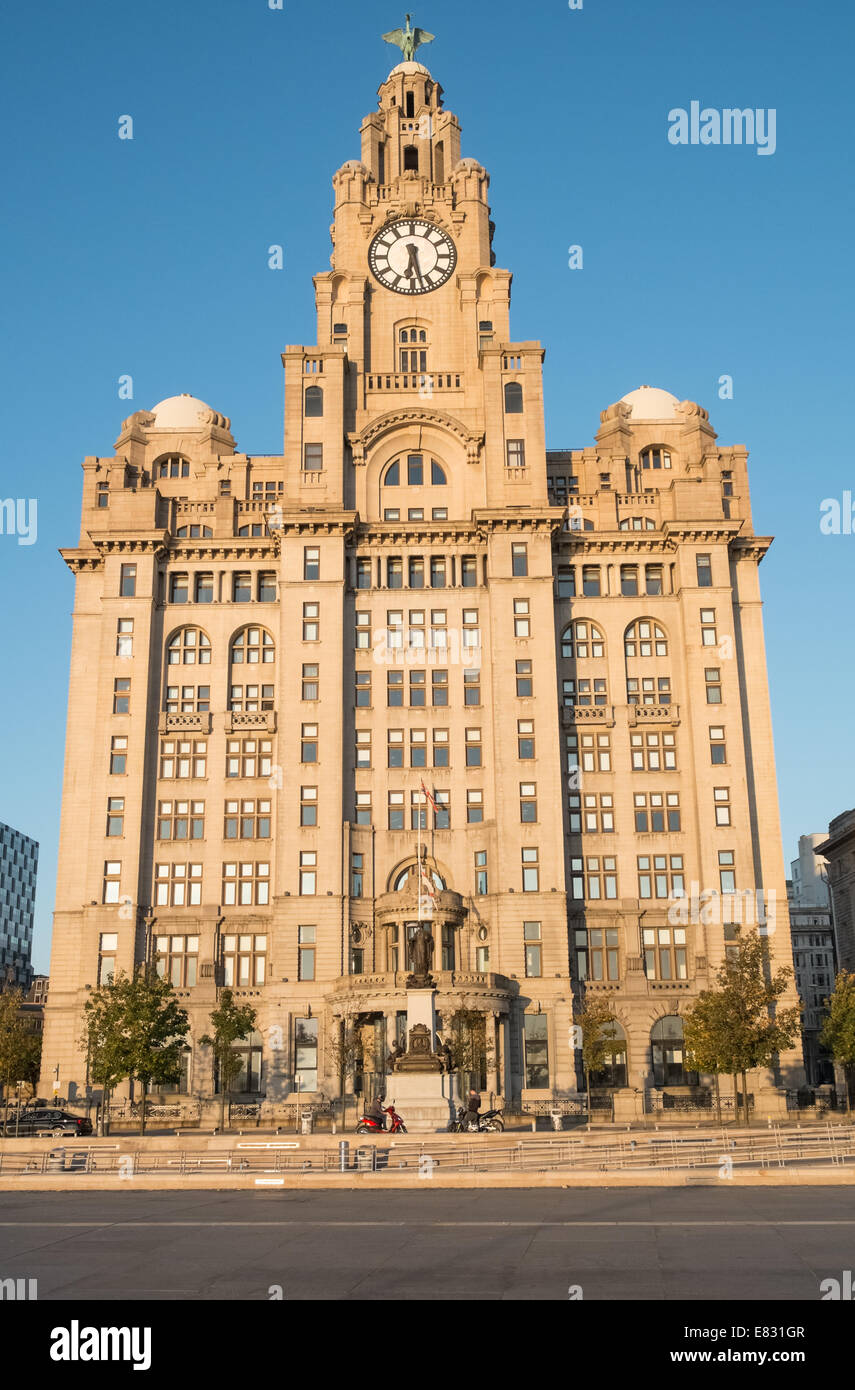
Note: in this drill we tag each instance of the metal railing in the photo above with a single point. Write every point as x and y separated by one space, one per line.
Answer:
710 1156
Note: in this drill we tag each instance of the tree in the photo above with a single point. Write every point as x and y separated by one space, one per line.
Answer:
138 1030
343 1051
737 1026
470 1046
838 1030
232 1022
596 1023
12 1043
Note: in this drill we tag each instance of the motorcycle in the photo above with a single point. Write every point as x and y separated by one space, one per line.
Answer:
490 1122
370 1124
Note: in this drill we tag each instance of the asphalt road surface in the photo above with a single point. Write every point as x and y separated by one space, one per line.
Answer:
710 1243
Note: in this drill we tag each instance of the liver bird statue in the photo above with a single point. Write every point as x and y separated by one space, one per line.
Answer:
408 40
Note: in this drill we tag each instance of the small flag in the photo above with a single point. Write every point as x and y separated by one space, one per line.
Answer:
429 797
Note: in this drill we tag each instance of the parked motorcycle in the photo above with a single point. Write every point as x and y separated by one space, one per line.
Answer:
490 1122
370 1124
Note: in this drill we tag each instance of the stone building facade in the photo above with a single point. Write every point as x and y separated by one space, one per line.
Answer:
416 632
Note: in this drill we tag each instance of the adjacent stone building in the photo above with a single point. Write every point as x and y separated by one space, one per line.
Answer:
19 865
838 850
417 632
814 954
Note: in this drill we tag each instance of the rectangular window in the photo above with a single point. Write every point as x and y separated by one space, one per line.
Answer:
418 748
112 876
122 695
528 802
473 747
179 588
308 806
533 949
250 757
653 751
472 687
181 820
107 947
418 690
363 574
311 622
726 871
125 637
439 688
566 581
103 494
362 691
664 953
416 572
395 748
712 677
481 872
418 811
530 870
437 572
656 812
468 572
516 453
629 581
118 754
524 679
128 581
357 869
718 746
183 758
306 938
363 808
396 810
591 581
395 572
362 635
536 1052
519 560
440 748
363 748
177 960
525 738
309 743
708 628
660 876
522 620
653 579
395 689
474 807
311 675
242 588
311 562
442 810
246 885
597 956
704 570
177 885
721 801
313 458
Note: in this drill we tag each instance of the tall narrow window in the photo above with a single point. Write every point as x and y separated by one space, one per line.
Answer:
128 581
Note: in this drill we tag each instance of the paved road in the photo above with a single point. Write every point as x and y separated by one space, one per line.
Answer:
622 1244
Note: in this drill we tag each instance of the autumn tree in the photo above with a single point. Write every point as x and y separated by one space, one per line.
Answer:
838 1030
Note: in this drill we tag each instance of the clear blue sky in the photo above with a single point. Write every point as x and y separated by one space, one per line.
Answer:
149 257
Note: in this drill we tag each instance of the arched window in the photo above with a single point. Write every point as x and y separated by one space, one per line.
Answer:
437 474
638 523
411 871
189 646
253 646
172 467
582 640
645 638
314 402
411 157
392 476
415 473
669 1057
413 353
656 456
513 398
193 532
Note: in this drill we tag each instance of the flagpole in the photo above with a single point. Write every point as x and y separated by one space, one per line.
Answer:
419 857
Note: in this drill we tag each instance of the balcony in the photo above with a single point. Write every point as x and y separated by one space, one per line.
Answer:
184 724
238 721
602 715
427 384
645 715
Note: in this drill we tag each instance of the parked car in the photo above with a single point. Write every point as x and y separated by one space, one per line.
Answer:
56 1123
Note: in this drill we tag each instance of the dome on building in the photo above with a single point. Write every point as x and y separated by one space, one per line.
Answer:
651 403
182 413
409 69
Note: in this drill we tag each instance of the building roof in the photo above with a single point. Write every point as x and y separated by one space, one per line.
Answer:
651 403
181 413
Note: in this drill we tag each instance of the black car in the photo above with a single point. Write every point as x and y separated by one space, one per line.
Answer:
55 1123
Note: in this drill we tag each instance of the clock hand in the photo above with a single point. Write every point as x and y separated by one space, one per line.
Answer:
413 263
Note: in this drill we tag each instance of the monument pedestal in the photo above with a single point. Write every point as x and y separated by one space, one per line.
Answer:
421 1090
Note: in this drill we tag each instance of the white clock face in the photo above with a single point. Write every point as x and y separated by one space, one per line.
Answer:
412 257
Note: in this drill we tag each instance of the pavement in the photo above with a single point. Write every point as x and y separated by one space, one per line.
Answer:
656 1245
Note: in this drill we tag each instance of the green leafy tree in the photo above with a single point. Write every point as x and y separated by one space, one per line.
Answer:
738 1025
140 1032
231 1023
470 1047
596 1023
12 1044
838 1030
103 1040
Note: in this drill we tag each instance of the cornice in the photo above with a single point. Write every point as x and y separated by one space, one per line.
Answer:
363 440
